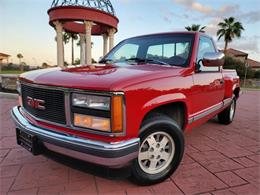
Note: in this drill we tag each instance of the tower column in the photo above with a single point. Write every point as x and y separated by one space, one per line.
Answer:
88 28
60 47
105 41
82 48
111 35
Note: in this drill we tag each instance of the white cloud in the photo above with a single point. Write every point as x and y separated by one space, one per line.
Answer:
223 11
248 44
200 8
184 2
212 26
194 5
167 19
250 17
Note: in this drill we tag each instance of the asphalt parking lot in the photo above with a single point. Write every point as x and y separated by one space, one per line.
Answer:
218 160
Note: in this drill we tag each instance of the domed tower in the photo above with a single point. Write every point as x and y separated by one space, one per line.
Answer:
86 18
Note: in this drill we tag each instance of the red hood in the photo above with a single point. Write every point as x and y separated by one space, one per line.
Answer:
105 78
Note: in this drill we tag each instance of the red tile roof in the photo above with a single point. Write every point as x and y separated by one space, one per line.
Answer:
235 53
4 55
253 63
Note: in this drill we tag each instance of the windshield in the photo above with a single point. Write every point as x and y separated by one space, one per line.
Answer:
173 49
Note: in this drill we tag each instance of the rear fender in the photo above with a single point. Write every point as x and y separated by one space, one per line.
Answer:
229 85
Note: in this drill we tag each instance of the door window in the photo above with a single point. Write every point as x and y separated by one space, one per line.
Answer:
205 45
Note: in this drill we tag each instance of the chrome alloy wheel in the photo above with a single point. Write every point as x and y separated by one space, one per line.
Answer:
232 110
156 152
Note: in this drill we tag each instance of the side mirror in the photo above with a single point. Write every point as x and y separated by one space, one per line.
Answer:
213 59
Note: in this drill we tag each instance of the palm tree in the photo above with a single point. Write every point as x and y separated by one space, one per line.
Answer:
195 27
229 29
66 37
20 56
78 43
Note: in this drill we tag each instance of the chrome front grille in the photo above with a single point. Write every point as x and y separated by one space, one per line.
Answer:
54 103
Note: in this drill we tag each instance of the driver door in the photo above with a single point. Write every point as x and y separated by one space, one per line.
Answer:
208 89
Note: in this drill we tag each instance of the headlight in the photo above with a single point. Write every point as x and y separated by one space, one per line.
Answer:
103 113
91 101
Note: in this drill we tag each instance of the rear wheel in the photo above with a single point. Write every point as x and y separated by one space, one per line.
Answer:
160 151
226 116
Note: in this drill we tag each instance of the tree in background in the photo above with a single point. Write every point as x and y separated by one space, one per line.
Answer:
93 61
20 56
239 66
73 37
229 29
45 65
66 63
77 61
195 27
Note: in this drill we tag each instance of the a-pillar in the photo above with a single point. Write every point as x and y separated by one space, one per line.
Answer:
105 41
88 28
60 48
82 48
111 34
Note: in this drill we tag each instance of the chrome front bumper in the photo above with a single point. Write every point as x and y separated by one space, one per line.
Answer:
115 154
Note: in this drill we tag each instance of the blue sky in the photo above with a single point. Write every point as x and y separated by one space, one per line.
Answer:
25 28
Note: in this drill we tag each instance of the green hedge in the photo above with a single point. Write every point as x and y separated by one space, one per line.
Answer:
239 66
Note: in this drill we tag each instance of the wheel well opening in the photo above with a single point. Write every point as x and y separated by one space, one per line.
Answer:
236 92
176 111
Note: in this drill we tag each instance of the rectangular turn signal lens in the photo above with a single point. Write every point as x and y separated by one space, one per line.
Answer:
117 114
92 122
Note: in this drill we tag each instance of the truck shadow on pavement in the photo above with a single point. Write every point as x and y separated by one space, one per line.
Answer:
86 167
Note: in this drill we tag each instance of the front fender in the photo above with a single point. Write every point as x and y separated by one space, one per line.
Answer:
163 100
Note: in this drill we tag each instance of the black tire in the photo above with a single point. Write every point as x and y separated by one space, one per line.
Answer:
159 123
226 117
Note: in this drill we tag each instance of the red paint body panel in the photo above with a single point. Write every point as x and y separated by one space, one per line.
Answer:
145 87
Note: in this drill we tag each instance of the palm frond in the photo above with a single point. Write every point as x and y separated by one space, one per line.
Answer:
195 27
229 29
222 24
220 31
231 20
202 29
188 28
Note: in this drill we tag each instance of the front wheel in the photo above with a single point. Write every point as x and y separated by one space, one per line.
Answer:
160 152
226 116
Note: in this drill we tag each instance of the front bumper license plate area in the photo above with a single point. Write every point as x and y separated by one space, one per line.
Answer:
29 142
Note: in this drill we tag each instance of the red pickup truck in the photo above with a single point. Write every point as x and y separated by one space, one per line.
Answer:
130 109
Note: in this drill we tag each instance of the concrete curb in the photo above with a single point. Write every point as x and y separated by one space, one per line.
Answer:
8 95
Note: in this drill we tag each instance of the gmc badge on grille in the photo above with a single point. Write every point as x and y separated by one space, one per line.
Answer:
35 103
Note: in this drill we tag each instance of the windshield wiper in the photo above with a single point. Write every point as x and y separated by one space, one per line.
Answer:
105 61
146 60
